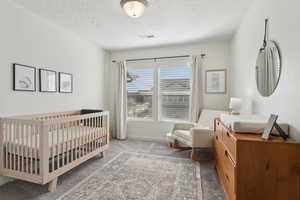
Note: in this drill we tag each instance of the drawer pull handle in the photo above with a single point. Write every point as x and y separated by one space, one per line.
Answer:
218 124
228 134
226 153
227 177
217 137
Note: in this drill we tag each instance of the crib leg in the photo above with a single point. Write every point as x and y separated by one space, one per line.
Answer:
102 154
52 185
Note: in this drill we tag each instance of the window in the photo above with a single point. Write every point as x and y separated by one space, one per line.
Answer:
140 93
175 92
159 90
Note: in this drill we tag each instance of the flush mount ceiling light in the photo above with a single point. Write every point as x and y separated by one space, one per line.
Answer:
134 8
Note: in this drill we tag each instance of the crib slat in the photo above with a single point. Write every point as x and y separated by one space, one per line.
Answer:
94 133
6 144
101 124
81 140
26 147
97 133
68 145
2 142
14 146
63 146
100 133
77 139
107 129
19 146
86 137
10 144
53 147
56 144
90 135
22 148
31 148
72 140
36 156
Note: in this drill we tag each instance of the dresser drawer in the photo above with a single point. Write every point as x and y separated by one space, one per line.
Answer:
229 172
218 130
226 169
230 143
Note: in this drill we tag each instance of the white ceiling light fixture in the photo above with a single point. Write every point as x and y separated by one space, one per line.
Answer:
134 8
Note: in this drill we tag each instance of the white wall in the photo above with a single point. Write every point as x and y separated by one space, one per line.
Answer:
30 40
217 58
285 30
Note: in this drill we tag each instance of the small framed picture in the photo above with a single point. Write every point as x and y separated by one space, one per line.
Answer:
24 78
215 81
48 80
65 82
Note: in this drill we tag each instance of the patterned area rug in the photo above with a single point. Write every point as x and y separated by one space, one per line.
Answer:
135 176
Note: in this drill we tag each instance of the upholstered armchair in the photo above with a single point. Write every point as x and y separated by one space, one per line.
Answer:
194 136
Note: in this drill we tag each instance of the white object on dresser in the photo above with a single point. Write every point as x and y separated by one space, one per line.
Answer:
248 123
235 105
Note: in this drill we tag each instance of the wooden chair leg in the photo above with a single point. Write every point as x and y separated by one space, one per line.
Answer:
195 157
193 154
52 185
176 146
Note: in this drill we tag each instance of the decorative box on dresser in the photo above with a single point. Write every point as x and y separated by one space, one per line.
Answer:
251 168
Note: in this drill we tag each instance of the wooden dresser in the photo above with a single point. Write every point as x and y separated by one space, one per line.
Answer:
251 168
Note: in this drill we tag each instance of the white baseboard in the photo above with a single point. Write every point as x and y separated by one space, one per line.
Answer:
147 139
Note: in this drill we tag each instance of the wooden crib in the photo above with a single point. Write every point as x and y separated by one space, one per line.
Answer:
40 148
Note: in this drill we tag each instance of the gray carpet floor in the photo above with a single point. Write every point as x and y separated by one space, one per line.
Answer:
20 190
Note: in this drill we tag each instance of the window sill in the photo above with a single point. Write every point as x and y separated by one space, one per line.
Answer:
173 121
159 121
140 120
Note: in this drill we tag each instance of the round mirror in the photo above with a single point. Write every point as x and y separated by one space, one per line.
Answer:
268 68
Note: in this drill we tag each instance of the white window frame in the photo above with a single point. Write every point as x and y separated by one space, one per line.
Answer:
153 118
156 108
159 93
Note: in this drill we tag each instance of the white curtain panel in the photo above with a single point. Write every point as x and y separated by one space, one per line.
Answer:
197 91
120 111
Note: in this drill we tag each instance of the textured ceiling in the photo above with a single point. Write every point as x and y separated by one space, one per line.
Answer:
171 21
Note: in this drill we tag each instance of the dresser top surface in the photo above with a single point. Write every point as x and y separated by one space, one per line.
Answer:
257 137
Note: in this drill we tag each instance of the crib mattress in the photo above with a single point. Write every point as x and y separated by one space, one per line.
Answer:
248 123
60 141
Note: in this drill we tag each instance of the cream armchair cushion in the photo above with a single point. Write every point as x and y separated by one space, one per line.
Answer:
194 137
198 135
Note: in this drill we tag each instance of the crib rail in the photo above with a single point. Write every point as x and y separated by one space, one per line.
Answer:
40 148
82 135
48 116
19 148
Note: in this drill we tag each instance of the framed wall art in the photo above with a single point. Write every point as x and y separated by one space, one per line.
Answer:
65 82
24 78
48 80
215 81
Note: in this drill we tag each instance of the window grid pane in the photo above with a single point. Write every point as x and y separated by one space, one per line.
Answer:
175 92
140 93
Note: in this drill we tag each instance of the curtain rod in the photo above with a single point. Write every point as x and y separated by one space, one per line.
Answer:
185 56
